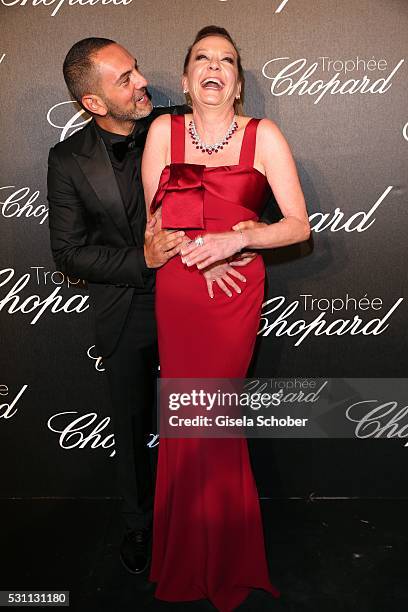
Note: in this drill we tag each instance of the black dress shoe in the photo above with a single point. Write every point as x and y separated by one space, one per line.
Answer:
135 550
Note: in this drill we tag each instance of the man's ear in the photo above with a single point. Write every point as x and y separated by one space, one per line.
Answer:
94 104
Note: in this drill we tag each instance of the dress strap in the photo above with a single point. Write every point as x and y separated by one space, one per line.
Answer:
177 139
248 145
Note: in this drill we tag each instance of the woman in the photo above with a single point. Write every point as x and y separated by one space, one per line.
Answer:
207 531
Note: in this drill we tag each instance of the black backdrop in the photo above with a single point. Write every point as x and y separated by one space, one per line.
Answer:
333 76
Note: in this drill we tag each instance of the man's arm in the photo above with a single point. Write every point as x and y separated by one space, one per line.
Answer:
68 232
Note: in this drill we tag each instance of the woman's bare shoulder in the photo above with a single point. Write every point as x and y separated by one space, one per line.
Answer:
268 128
158 138
161 125
270 135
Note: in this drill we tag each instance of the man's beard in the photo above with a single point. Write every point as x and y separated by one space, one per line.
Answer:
117 113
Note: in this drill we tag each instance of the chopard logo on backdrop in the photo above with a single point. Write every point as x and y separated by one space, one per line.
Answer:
359 221
83 430
76 433
278 9
65 121
384 419
8 410
60 116
97 359
279 317
297 76
57 4
20 203
12 301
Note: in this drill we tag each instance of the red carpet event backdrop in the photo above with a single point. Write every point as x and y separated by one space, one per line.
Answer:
333 75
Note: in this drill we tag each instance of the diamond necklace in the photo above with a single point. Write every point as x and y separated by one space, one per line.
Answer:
207 148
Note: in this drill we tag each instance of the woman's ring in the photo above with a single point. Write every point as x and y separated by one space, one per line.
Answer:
199 241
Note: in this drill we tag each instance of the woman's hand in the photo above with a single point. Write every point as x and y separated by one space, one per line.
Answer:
215 248
222 273
243 259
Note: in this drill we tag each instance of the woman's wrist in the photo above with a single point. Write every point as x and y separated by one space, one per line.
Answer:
242 239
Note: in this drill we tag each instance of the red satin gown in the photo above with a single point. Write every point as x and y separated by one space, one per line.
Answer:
207 530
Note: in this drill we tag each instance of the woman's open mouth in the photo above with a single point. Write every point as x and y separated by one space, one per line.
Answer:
212 83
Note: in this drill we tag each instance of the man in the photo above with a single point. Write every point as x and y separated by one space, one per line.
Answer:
97 224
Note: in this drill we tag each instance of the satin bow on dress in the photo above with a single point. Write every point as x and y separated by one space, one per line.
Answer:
181 196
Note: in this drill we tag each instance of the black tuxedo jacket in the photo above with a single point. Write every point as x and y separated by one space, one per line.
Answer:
90 234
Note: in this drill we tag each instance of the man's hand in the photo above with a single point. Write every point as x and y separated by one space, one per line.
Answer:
155 222
160 245
222 274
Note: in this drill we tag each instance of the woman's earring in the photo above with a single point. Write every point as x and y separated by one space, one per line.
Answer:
185 91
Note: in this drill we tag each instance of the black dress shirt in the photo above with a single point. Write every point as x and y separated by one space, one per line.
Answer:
128 176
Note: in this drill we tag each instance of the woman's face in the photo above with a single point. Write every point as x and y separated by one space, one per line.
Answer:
212 73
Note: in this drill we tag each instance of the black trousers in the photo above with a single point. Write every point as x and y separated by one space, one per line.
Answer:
132 374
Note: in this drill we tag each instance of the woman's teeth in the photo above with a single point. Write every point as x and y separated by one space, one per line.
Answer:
212 84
